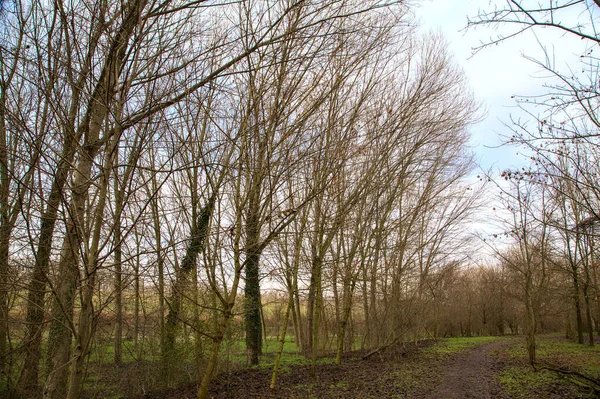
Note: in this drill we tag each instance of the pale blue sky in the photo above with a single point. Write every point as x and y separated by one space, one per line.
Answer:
495 73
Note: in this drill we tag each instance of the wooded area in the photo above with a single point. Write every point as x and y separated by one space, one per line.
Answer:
178 177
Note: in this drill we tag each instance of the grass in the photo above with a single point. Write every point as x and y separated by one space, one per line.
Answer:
583 358
522 381
337 385
408 378
104 352
450 346
422 370
551 349
235 352
289 357
105 377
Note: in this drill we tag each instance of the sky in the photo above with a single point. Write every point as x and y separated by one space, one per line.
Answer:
496 73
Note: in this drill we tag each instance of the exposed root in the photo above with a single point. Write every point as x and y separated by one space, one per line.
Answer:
575 376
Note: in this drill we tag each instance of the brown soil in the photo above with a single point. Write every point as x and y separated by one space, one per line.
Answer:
472 375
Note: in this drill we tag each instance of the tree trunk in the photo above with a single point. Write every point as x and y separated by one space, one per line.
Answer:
8 167
136 304
588 313
61 330
252 299
577 300
5 232
36 290
59 341
195 247
347 310
594 271
119 192
286 318
220 329
118 283
4 290
160 266
311 303
297 320
531 323
317 300
85 328
198 348
365 305
213 358
100 105
62 326
588 304
292 283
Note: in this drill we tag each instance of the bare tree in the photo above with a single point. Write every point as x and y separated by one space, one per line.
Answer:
562 138
530 211
157 143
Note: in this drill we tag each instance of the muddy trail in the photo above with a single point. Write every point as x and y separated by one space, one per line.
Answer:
421 370
473 374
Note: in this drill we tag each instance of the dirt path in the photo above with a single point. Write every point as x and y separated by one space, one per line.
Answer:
471 375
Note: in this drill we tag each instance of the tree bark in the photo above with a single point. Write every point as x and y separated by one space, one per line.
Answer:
36 290
588 303
159 266
85 327
136 303
531 322
189 262
347 310
252 299
315 309
59 341
98 109
211 365
577 301
5 231
286 319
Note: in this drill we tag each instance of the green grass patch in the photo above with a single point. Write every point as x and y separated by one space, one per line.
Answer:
583 358
235 351
291 356
558 351
308 387
407 378
289 360
521 381
450 346
272 345
337 385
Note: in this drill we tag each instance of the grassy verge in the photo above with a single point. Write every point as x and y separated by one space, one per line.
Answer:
451 346
520 380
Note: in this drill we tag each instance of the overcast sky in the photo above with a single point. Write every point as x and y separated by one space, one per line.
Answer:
495 73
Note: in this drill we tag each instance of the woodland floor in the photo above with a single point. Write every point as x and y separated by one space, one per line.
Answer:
477 368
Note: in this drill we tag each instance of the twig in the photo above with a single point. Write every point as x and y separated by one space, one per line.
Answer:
377 350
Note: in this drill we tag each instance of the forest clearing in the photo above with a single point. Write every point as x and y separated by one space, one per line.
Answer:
283 198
